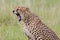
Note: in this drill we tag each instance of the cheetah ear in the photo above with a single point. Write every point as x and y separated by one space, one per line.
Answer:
27 9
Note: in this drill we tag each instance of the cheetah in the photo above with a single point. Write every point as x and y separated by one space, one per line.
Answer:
33 27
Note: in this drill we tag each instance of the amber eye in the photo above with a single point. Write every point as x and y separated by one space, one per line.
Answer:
17 9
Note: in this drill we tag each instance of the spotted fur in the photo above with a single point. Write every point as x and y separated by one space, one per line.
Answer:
34 28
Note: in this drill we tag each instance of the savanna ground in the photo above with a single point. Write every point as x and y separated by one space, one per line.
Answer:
47 10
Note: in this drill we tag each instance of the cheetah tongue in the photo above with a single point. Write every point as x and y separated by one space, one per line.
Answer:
19 18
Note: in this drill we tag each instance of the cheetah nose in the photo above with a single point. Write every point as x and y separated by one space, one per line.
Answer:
13 11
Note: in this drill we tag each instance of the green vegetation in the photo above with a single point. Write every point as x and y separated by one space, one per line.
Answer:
47 10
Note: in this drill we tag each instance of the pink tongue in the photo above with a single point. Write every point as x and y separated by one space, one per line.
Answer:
19 18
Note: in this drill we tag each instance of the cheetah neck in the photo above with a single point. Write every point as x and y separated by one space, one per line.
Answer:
30 17
27 16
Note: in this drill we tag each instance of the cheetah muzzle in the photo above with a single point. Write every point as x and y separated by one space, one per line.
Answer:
18 15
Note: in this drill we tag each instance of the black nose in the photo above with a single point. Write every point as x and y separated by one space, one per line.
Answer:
13 11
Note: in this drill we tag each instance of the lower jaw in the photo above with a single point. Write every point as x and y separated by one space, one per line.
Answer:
19 18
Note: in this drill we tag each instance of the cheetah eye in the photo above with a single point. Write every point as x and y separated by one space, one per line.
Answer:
17 9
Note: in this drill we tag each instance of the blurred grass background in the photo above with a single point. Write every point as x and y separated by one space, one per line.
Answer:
47 10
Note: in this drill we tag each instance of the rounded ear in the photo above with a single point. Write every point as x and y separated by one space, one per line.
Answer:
27 9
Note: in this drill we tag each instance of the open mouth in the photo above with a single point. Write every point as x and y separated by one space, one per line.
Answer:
18 16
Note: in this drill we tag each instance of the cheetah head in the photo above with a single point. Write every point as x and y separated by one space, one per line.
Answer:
20 12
